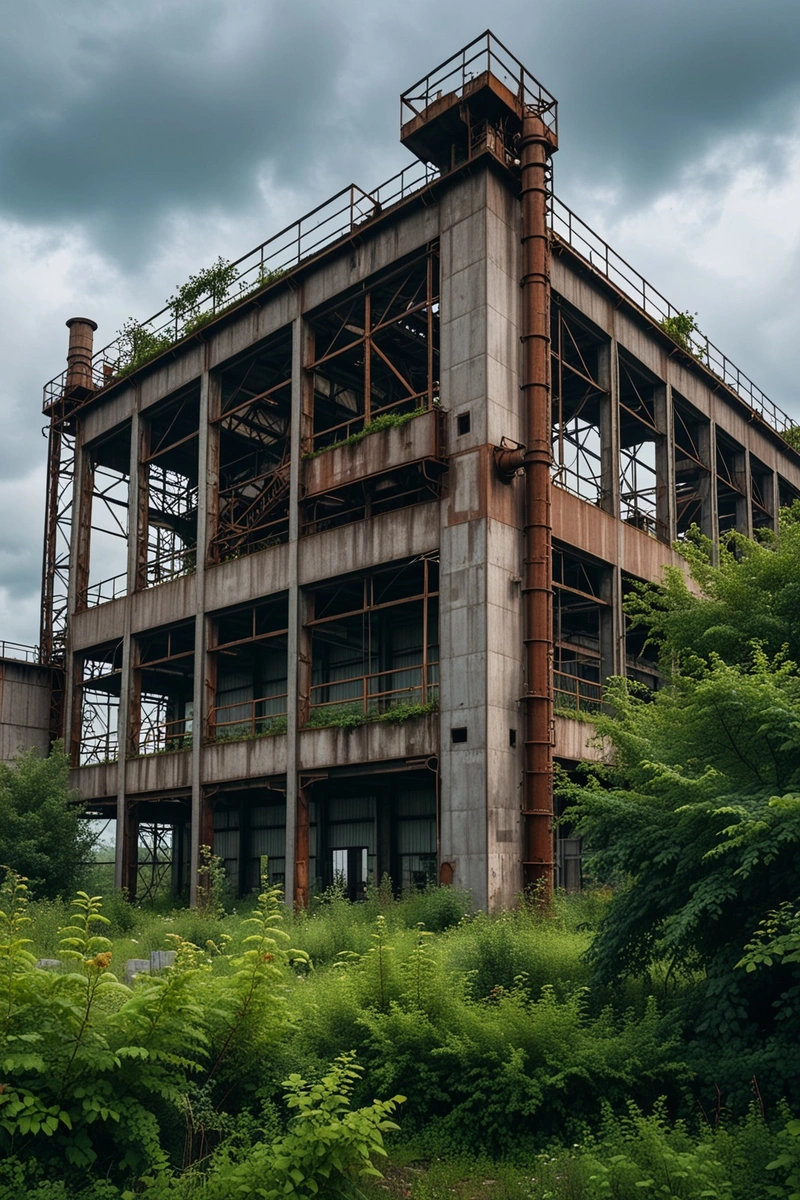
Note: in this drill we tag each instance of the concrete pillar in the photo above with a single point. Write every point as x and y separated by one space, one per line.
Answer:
665 465
608 377
123 850
294 801
202 825
744 502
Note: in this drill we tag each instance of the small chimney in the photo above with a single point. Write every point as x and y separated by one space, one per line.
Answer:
79 355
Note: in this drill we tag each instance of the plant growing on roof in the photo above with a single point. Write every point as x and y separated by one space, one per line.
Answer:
137 345
681 327
211 283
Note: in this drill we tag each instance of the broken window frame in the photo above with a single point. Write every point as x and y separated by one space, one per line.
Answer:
372 700
692 481
579 670
252 513
165 556
95 736
577 441
105 492
638 478
260 722
355 315
152 731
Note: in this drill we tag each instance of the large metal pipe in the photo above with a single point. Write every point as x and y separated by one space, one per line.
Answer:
537 144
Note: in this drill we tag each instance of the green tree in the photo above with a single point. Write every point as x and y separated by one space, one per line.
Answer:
43 834
698 819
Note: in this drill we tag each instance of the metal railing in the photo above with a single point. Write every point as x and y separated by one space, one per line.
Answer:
369 695
576 695
19 652
160 737
251 720
485 54
603 259
305 238
166 567
352 207
105 590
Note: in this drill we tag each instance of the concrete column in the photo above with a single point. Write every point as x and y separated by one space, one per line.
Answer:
609 639
744 503
464 365
665 465
617 620
125 852
69 715
201 829
608 377
707 445
294 636
772 498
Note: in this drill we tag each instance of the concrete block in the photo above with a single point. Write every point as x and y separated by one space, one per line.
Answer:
159 959
134 967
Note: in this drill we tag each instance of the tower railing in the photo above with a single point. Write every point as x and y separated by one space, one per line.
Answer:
486 54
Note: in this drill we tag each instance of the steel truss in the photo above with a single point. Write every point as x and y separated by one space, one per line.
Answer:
639 437
376 352
252 501
154 862
577 395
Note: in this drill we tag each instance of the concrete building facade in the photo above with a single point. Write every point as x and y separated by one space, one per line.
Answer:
25 696
314 647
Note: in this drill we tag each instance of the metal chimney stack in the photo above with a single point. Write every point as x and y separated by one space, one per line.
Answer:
79 354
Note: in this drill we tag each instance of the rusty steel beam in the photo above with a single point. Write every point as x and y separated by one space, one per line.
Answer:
537 144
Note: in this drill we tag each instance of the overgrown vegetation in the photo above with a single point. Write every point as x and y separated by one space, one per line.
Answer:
351 715
681 328
489 1026
42 833
384 421
196 302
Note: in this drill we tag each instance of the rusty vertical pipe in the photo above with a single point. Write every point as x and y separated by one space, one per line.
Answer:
536 146
79 354
301 850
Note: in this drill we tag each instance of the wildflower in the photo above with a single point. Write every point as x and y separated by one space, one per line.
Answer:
100 961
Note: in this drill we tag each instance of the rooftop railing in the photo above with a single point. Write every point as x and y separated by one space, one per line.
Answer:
454 75
19 652
352 207
591 247
299 242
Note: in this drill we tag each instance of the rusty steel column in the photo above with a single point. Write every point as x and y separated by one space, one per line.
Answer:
536 146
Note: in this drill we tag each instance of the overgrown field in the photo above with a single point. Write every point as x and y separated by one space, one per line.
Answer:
281 1052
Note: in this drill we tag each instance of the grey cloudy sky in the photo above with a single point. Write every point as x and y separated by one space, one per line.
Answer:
140 139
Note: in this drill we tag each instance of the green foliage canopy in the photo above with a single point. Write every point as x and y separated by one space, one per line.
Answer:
698 819
42 832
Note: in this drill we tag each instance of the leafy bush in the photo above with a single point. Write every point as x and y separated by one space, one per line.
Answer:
42 831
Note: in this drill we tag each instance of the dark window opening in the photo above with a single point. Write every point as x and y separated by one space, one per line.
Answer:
252 497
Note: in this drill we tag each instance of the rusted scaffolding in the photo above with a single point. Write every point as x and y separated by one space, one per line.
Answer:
250 508
578 394
375 642
248 671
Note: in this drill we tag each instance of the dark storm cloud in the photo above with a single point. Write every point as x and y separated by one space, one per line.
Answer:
173 109
115 116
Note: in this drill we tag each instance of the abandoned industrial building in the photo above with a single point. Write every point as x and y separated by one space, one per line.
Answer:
371 510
